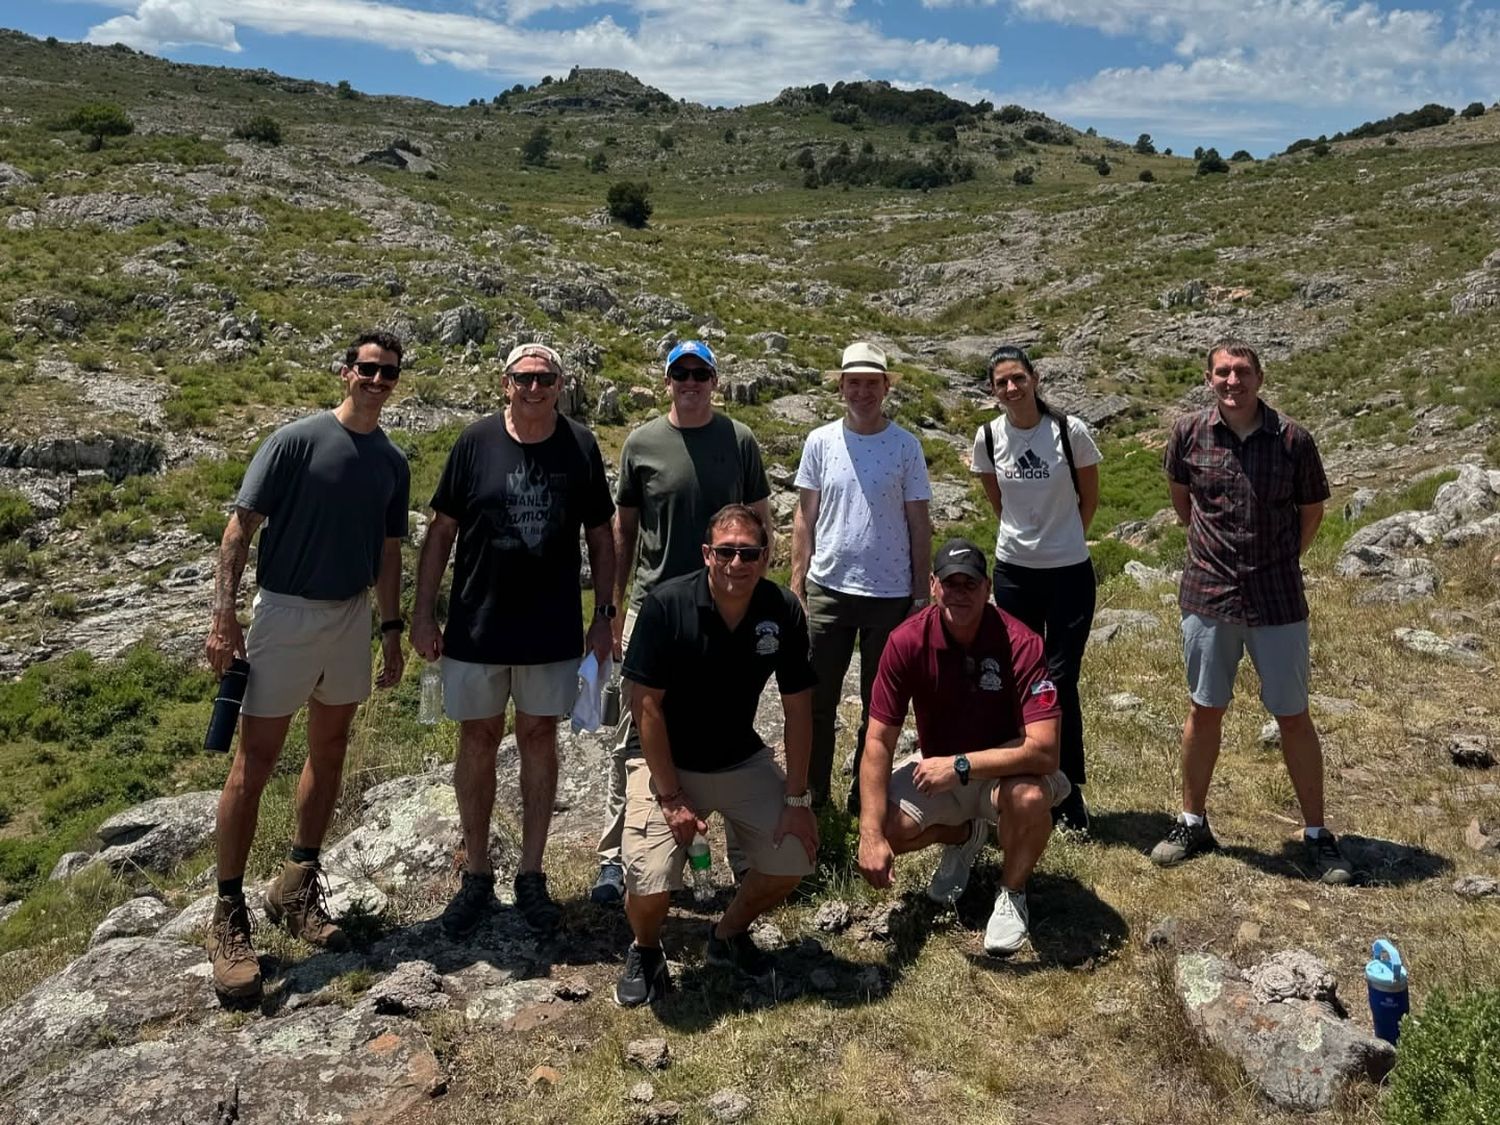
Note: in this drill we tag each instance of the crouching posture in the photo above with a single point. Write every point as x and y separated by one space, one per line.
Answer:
987 722
703 647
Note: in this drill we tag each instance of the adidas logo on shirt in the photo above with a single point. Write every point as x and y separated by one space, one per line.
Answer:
1028 466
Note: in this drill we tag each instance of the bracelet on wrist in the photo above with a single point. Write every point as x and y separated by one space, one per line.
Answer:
395 625
665 799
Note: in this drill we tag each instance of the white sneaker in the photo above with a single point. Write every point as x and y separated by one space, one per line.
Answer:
1005 932
952 874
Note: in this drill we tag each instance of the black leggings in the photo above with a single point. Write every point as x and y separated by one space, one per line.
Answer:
1058 603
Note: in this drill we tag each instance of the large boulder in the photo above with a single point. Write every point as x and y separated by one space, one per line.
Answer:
1300 1052
463 325
159 834
136 918
408 830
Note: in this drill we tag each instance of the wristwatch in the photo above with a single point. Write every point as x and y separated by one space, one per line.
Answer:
607 610
961 767
802 802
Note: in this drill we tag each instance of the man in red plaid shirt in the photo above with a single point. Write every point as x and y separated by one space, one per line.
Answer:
1250 487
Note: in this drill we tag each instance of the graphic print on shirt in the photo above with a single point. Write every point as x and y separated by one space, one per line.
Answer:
532 507
767 638
1028 466
989 675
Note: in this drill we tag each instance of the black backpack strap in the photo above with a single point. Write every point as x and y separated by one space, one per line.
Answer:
1067 443
989 445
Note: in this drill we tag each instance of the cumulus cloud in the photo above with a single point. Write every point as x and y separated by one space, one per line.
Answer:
158 24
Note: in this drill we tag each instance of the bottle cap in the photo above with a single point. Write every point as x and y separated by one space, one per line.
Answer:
1386 972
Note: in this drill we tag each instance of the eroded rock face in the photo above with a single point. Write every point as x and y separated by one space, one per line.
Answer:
136 918
407 832
159 834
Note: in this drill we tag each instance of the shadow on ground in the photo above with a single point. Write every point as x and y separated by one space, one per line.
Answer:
1071 927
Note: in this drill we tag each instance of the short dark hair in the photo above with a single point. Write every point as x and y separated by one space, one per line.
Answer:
736 513
1008 353
1236 347
388 341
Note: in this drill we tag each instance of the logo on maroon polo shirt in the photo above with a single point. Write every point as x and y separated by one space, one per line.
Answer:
1045 693
989 675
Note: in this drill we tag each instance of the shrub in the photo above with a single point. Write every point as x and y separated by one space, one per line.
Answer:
345 91
1445 1073
945 134
1042 134
1012 114
804 158
1102 166
630 202
1211 163
598 162
266 130
1240 156
1146 177
1110 557
1023 175
1473 109
729 137
665 140
1322 148
97 120
1425 118
538 145
1144 145
16 514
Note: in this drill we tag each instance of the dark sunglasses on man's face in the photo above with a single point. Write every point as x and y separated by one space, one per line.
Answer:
368 369
696 374
726 553
526 378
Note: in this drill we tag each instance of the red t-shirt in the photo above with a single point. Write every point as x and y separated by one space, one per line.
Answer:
967 699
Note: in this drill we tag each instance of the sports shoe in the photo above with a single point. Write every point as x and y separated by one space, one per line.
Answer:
739 952
609 887
466 910
298 900
645 979
536 906
952 874
1072 813
1325 855
236 968
1005 932
1183 841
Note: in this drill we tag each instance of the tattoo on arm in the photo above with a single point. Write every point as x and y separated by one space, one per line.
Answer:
234 553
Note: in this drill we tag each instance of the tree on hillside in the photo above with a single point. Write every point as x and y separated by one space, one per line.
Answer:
1102 166
1211 163
1473 109
1146 177
345 91
1198 153
598 162
1240 156
630 202
538 145
266 130
97 120
1144 145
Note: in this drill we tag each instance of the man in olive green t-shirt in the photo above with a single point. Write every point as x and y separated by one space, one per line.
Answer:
675 473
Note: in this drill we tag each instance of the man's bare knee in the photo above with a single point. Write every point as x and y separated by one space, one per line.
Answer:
1026 798
536 733
900 828
480 736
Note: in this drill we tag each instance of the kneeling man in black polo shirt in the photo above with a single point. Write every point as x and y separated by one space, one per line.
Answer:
703 647
987 722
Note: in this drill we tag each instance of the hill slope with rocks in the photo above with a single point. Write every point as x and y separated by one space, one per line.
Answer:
174 294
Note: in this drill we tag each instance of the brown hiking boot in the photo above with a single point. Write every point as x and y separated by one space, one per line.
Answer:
236 969
297 900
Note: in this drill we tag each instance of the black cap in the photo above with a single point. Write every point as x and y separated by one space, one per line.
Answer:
959 556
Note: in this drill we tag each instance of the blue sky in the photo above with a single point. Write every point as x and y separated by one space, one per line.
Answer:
1252 74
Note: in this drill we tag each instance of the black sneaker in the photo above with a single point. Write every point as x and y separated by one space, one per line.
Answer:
645 979
1183 841
536 906
739 952
1328 859
473 903
1072 813
609 887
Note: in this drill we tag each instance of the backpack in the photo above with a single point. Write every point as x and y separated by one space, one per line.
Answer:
1062 428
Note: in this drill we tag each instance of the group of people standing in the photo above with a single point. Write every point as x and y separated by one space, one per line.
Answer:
986 656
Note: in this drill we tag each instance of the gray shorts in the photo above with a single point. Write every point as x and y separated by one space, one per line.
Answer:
481 691
975 801
1212 650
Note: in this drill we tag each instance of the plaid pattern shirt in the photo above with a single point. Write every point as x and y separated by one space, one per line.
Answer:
1243 560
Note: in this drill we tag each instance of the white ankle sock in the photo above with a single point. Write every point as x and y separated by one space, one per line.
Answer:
1193 820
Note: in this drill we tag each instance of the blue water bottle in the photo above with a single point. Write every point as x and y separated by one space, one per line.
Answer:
1385 977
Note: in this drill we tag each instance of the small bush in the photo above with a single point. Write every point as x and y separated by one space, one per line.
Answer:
1445 1073
1322 148
266 130
345 91
630 202
62 605
1102 166
1211 163
1473 109
1240 156
1024 175
1146 176
97 120
666 141
597 162
16 514
1144 145
538 145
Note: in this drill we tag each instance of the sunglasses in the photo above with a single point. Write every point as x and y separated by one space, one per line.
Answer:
526 378
696 374
368 369
727 554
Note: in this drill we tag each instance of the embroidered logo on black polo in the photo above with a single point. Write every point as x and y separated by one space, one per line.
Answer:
767 638
989 675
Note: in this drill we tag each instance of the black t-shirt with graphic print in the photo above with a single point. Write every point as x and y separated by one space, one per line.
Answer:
516 595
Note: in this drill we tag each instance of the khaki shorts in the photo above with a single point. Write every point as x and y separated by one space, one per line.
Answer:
748 797
975 801
481 691
301 649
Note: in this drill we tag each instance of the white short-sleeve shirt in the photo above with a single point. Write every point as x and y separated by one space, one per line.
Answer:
1039 522
860 542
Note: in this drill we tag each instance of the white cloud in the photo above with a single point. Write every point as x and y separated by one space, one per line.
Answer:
167 23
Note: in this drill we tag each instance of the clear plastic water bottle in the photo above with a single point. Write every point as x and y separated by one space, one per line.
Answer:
430 710
1385 979
700 863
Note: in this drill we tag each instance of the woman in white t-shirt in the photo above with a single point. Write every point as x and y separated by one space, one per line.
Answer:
1039 469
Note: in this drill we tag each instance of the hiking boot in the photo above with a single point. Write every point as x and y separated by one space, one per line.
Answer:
536 906
739 952
1072 813
1328 859
609 887
1183 841
1005 932
299 900
952 874
236 968
474 902
645 979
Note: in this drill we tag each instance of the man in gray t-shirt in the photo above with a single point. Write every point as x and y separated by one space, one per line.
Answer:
675 473
332 492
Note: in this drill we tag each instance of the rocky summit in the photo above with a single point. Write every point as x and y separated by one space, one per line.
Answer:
174 292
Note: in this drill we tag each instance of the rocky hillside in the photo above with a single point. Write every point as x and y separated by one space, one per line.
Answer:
175 293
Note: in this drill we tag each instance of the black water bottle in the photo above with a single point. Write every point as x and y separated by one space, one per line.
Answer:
231 694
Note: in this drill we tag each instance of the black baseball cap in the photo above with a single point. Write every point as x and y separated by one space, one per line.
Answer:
959 556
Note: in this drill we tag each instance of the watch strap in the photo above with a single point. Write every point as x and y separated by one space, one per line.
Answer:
803 802
395 625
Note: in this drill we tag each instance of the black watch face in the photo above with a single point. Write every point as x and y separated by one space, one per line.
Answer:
961 767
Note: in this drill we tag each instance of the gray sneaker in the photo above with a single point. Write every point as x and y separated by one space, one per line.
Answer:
1183 841
1005 932
609 887
952 874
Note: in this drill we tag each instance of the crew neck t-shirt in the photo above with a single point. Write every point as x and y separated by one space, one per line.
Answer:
676 479
860 542
516 597
1039 523
331 498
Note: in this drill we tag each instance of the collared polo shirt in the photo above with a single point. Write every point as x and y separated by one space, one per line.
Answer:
713 676
967 698
1243 561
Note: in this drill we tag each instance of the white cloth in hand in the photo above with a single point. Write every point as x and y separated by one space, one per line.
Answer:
588 712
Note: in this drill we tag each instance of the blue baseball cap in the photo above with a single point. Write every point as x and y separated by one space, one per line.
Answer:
692 347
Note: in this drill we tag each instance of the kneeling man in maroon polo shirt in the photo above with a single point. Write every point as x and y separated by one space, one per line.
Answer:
987 722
